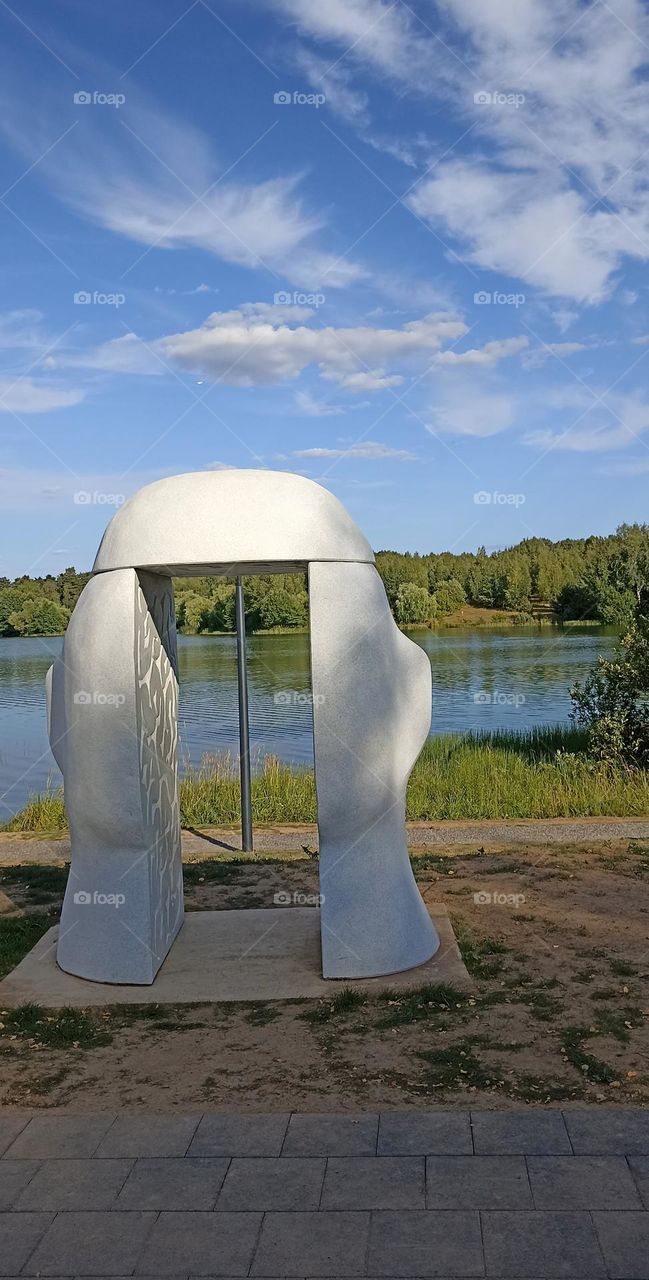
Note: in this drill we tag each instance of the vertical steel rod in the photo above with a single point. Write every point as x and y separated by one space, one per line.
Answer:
244 731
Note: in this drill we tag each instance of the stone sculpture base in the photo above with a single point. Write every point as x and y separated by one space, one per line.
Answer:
228 955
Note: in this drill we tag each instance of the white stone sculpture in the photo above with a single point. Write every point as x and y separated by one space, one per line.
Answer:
112 713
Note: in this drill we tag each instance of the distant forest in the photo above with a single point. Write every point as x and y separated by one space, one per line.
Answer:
576 579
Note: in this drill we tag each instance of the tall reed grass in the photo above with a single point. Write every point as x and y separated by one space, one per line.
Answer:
541 773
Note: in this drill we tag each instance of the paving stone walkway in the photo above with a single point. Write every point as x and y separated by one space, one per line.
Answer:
534 1194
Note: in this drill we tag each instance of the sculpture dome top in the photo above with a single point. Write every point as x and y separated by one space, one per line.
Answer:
211 521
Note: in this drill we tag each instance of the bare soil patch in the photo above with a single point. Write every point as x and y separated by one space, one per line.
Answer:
556 940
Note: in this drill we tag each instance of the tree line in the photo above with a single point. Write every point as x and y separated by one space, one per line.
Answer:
602 579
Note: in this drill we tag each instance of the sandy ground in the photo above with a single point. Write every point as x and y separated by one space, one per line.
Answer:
556 939
204 842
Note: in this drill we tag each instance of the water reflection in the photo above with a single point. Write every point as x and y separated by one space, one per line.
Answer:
515 677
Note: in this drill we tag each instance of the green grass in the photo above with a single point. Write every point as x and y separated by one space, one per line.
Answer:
18 934
483 957
60 1029
594 1069
540 773
41 884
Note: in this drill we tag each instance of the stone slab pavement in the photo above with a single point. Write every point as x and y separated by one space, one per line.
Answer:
520 1194
205 842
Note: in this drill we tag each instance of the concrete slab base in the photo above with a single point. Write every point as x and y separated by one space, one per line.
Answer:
224 956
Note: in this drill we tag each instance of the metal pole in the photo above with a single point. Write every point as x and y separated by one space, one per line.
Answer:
244 733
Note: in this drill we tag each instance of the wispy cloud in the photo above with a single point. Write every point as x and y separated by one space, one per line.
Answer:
160 183
30 396
366 449
312 408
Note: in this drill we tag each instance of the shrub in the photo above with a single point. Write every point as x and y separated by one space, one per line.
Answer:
612 703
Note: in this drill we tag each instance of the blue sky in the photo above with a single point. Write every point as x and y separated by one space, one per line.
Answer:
401 249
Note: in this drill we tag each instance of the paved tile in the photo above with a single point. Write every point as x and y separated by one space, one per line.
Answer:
386 1182
312 1244
204 1244
331 1135
639 1166
513 1133
273 1184
477 1182
406 1133
239 1135
75 1184
148 1135
624 1238
58 1136
14 1176
93 1244
541 1244
10 1127
595 1132
582 1182
19 1234
425 1244
172 1184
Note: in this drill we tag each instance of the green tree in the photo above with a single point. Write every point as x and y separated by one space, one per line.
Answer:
630 561
40 616
413 604
449 596
69 586
11 601
192 611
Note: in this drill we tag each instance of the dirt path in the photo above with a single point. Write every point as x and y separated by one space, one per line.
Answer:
204 842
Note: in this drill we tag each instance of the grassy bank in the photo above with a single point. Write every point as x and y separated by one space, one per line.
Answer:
543 773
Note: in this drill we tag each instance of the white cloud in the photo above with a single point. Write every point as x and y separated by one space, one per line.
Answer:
20 330
508 224
486 356
473 409
367 380
158 182
312 408
385 36
612 422
563 318
536 358
262 344
556 191
365 449
29 396
630 467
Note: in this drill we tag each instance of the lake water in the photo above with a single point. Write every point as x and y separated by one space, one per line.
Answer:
513 678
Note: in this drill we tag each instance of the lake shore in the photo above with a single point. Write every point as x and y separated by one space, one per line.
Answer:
541 773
